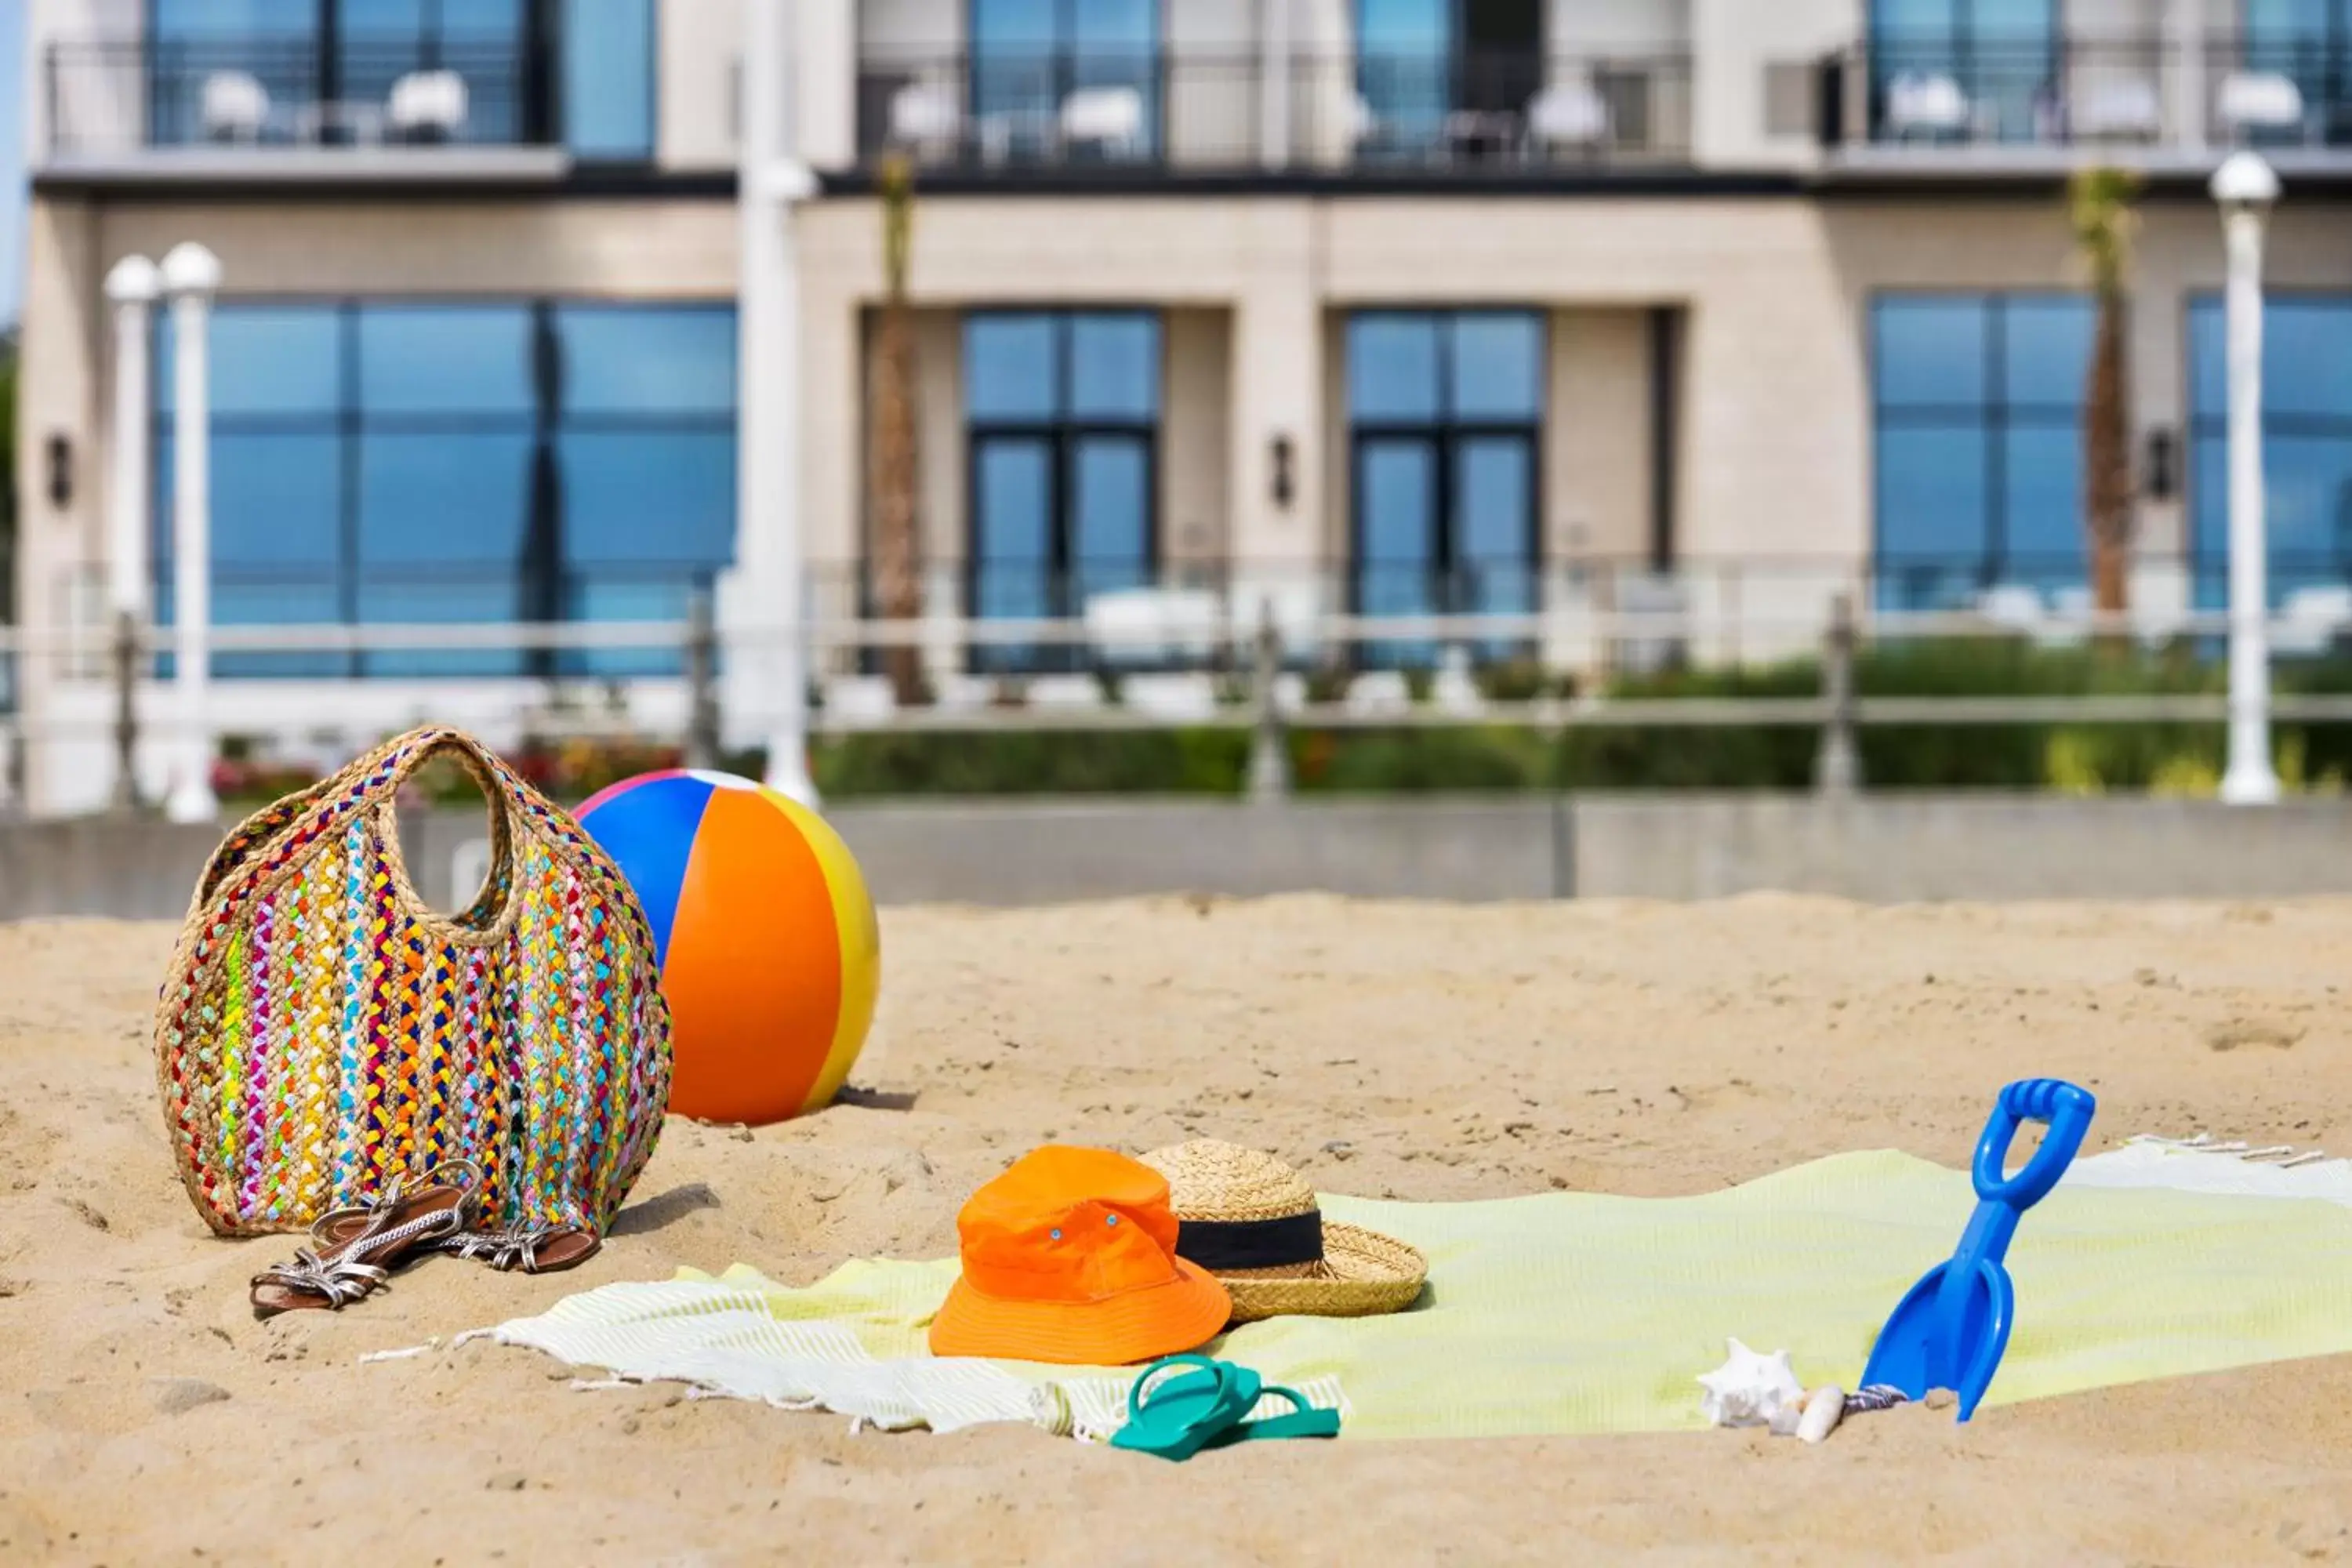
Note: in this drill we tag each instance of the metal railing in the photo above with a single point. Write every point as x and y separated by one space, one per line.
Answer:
2024 92
114 98
1175 111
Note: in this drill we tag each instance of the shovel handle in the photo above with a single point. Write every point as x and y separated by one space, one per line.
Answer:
2064 1107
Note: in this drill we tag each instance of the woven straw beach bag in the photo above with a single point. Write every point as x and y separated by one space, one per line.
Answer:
324 1038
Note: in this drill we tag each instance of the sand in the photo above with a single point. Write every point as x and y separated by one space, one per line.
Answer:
1418 1051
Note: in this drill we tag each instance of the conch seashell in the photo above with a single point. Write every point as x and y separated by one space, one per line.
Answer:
1752 1390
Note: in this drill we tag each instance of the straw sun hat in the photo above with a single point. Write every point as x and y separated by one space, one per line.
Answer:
1252 1222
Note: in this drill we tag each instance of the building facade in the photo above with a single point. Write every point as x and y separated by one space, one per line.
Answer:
1389 307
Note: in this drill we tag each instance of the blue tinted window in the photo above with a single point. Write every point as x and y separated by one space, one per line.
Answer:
608 76
1498 366
448 359
398 461
2307 444
650 359
1011 367
1393 367
236 19
264 360
1977 453
1114 366
1930 352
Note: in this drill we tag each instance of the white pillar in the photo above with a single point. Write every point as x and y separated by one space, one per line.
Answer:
769 181
2245 187
191 275
132 288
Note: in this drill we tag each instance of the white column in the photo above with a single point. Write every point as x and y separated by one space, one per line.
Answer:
2245 187
768 534
191 275
132 288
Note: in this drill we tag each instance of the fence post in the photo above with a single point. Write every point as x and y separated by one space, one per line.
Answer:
1837 768
126 711
1269 766
701 681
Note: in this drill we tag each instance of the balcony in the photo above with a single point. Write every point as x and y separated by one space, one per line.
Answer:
1092 112
268 108
2045 102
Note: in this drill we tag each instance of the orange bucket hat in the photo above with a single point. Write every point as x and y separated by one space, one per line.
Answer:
1070 1255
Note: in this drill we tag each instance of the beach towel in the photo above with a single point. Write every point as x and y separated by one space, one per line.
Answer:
1571 1312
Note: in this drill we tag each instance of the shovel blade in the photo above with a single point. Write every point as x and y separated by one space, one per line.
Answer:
1940 1339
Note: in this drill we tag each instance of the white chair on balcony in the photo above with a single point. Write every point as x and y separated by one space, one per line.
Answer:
2312 620
1568 114
2124 110
1922 103
1153 626
428 106
234 107
1110 118
2250 102
927 119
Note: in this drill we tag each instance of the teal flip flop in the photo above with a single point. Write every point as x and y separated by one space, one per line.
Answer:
1305 1420
1182 1403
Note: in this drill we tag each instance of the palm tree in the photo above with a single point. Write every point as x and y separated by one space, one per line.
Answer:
2100 202
892 463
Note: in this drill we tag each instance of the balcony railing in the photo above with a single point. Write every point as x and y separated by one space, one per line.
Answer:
114 99
1176 111
2041 92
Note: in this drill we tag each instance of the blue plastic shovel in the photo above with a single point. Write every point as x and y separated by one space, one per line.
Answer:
1951 1328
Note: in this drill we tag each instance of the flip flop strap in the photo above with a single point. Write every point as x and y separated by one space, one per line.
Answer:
1136 1399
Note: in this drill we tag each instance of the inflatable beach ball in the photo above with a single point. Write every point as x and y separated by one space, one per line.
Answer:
769 952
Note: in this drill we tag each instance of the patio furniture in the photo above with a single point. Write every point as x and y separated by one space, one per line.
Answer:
234 107
2124 110
428 106
2310 620
2250 102
927 118
1153 625
1927 104
1109 117
1568 114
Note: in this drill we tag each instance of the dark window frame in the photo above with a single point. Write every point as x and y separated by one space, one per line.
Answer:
1444 433
1966 59
1063 435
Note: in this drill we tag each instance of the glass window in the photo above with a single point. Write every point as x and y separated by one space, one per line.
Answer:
1392 367
1010 367
1978 444
1029 57
1063 411
1498 366
411 461
449 360
2306 444
1445 407
648 359
1114 366
608 78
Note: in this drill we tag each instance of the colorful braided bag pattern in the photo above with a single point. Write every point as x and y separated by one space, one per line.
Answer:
324 1037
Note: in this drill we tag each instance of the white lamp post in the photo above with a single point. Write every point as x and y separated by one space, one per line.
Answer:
190 276
133 286
769 181
2246 187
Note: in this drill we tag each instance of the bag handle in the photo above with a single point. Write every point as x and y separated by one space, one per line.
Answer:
487 919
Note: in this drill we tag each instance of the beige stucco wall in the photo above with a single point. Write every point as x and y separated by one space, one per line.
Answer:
1597 436
1195 494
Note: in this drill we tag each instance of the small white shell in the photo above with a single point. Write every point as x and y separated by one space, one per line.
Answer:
1824 1409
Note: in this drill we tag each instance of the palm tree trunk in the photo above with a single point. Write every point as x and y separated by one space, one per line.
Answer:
894 468
2107 462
